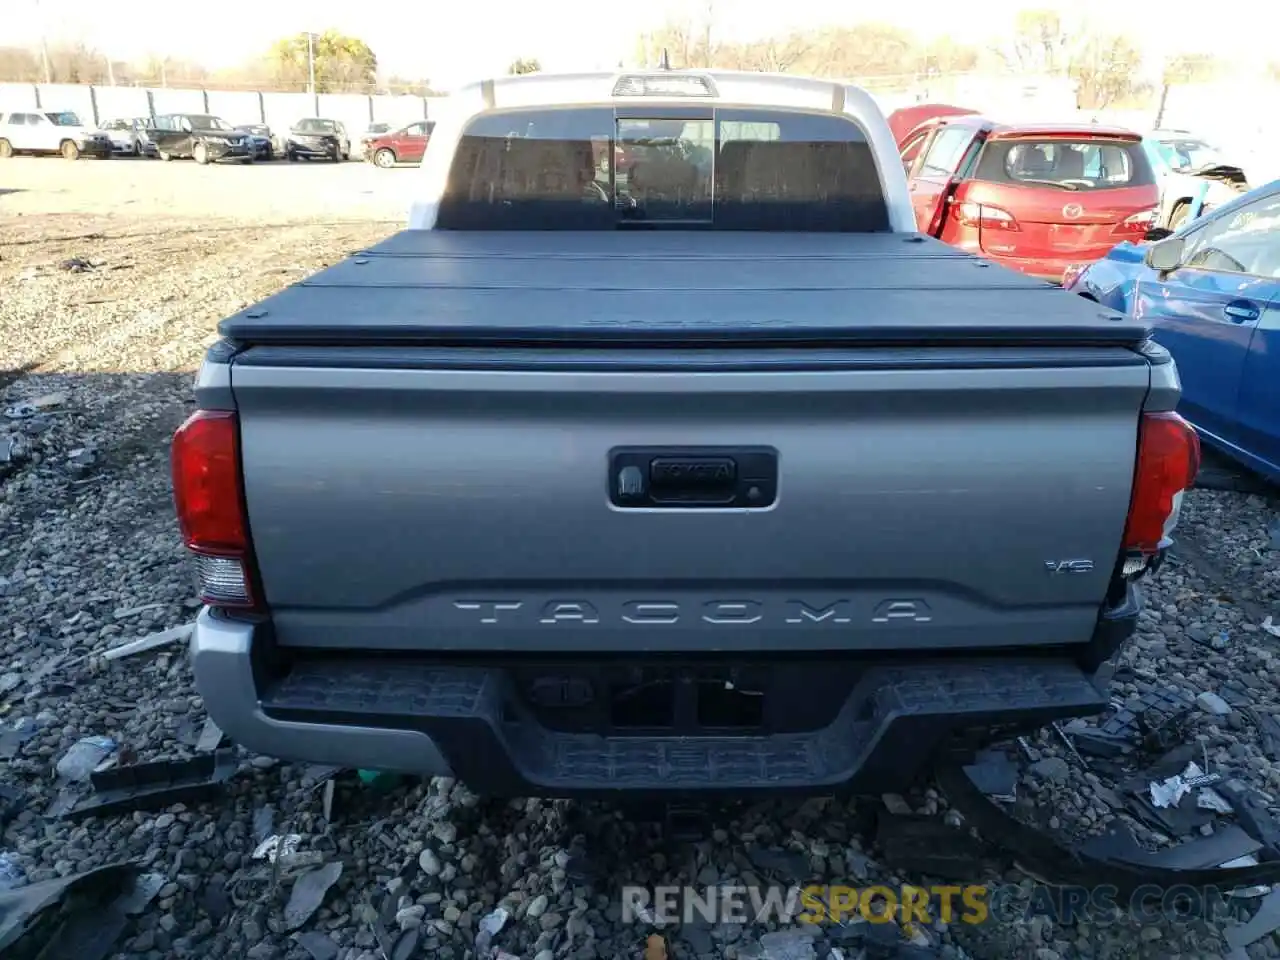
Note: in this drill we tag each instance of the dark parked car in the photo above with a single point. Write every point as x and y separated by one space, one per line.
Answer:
406 145
203 138
260 140
317 138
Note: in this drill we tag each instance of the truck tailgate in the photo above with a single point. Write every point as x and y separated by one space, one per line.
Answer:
436 436
464 499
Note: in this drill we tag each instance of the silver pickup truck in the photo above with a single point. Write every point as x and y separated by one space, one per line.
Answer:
661 454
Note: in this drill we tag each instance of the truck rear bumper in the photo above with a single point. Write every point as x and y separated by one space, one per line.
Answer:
435 717
226 657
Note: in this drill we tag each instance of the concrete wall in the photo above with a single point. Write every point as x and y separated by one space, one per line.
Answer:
277 110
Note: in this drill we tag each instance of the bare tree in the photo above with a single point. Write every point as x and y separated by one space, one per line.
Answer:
524 65
1104 68
1041 43
1193 68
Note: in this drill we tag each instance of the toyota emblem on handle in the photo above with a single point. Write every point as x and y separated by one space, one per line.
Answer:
1073 211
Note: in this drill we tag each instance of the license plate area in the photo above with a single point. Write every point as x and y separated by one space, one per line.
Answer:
693 477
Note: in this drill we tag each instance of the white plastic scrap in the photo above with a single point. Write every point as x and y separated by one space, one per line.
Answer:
1170 792
150 642
277 846
1210 799
1270 627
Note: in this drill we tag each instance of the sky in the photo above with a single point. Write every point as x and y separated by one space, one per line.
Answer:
452 44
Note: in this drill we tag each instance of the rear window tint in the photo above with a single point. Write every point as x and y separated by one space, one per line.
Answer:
1084 164
588 169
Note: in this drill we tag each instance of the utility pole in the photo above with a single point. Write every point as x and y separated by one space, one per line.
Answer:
111 71
311 63
44 45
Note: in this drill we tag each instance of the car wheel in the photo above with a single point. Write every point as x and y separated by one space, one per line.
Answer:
137 149
200 152
6 149
269 155
1179 216
385 158
69 150
291 157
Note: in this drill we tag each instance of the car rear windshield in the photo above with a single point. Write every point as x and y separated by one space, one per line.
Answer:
316 126
593 169
1085 164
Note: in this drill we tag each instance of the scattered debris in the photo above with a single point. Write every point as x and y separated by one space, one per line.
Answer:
1054 769
29 408
150 642
1266 921
319 946
788 945
87 900
12 739
1210 799
276 847
211 738
1169 793
309 892
75 265
1213 704
1270 627
84 757
161 783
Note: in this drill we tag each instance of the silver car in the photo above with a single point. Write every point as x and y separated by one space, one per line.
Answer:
129 136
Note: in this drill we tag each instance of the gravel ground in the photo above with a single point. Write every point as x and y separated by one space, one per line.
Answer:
89 555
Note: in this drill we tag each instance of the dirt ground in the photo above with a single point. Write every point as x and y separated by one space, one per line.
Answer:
167 250
128 188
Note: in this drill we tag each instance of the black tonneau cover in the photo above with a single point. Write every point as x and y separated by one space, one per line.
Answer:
650 287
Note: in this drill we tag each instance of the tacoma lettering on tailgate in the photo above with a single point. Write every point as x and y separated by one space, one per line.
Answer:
726 612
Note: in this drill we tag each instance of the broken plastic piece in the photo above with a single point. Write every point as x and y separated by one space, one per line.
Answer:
277 846
161 783
1264 922
309 892
1210 799
79 762
1170 792
19 909
150 642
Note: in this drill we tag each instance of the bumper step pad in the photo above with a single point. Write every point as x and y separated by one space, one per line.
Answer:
886 731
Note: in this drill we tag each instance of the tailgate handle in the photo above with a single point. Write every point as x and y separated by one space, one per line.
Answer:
709 478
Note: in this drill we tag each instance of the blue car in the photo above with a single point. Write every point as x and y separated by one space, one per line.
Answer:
1211 292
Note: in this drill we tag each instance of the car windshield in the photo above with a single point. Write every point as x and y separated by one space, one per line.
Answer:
585 168
379 127
1086 164
316 126
202 121
1185 155
64 119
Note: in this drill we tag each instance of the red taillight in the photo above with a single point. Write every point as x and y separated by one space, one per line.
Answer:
1168 461
984 215
205 462
1136 225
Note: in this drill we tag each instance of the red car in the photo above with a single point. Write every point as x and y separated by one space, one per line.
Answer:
406 145
1039 198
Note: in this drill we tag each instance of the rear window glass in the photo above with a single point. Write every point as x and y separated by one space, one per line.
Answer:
1084 164
589 169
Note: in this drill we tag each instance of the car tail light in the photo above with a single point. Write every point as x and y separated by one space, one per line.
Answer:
1168 461
209 498
1136 225
984 215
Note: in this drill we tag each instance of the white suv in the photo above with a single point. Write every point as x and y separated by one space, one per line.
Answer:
43 131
